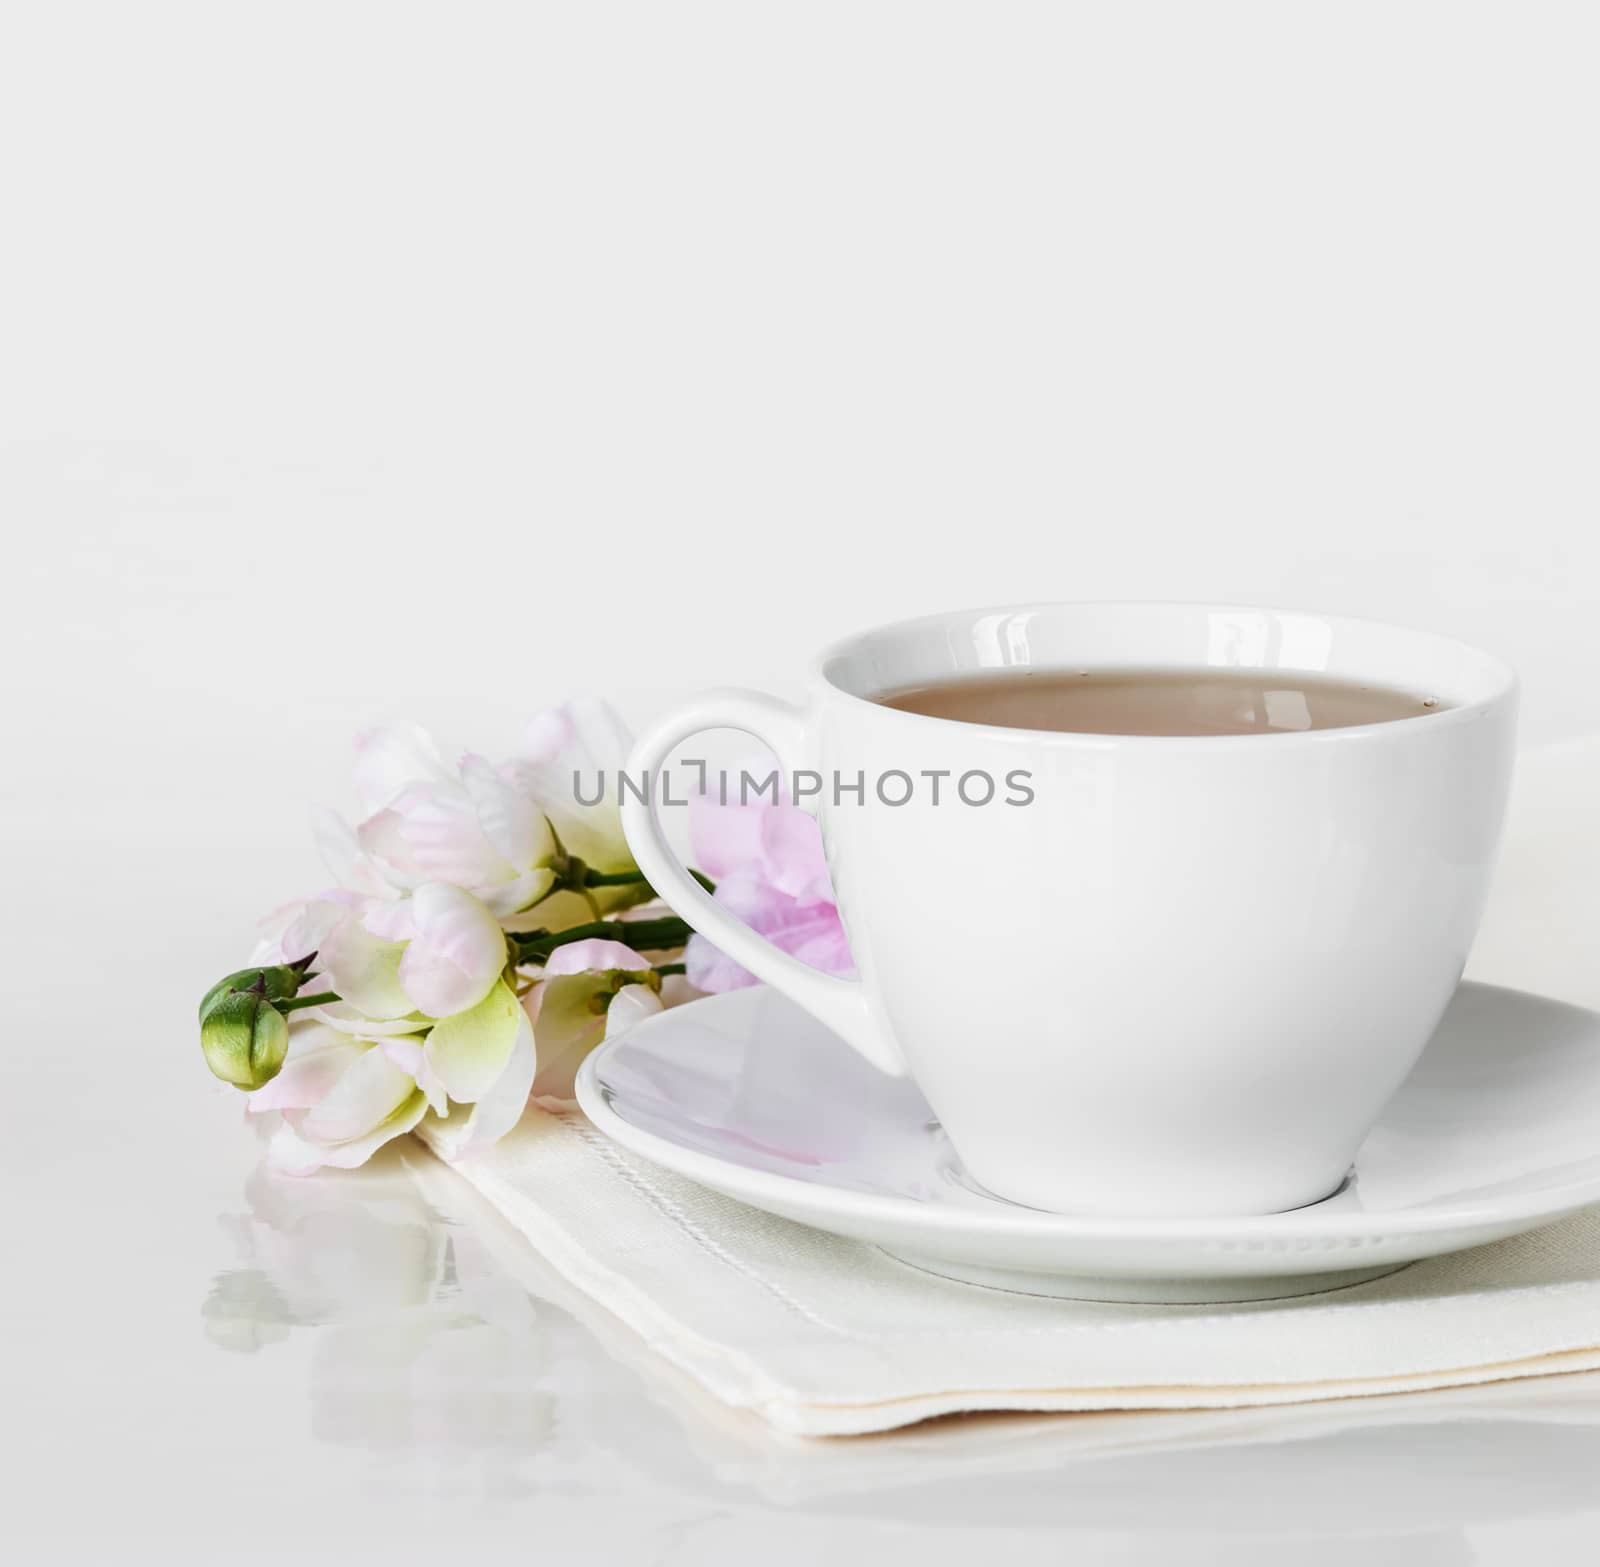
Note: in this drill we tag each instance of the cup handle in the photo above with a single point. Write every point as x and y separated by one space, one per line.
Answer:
839 1003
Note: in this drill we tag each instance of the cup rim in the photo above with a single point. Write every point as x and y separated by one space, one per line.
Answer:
1502 680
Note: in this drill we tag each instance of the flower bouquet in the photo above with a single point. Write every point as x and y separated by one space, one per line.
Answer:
487 928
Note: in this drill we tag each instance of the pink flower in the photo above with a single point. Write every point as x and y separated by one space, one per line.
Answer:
590 991
352 1083
471 826
769 869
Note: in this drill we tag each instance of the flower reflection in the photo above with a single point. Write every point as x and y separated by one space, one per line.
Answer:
420 1344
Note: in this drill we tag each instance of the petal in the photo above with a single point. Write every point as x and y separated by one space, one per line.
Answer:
392 759
500 1107
405 1050
382 838
306 1079
509 897
725 839
445 838
346 1020
811 932
791 854
578 957
468 1052
516 828
432 1088
296 1154
389 919
632 1004
569 1020
364 970
342 853
366 1094
581 745
457 955
315 922
710 969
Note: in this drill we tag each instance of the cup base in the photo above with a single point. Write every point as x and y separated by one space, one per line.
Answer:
1164 1202
1141 1292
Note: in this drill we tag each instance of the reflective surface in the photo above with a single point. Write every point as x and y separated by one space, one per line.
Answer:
374 1365
199 1363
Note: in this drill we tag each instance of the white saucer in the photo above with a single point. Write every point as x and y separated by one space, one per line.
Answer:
1496 1131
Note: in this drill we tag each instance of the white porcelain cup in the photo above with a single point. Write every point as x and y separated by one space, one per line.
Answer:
1187 975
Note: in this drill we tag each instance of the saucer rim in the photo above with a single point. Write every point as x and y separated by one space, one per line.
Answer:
767 1187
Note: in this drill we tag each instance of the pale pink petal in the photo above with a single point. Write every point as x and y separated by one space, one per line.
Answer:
811 932
725 839
578 957
514 825
389 919
364 970
366 1094
307 1079
457 954
791 855
295 1154
393 759
447 841
382 838
315 922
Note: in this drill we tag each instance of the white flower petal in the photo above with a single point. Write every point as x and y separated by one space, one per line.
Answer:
366 1094
569 1020
306 1079
295 1154
499 1109
313 924
389 919
342 853
632 1004
468 1052
391 760
511 821
382 838
445 838
585 738
458 953
346 1020
364 970
509 897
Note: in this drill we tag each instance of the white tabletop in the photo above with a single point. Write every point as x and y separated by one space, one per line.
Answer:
373 1366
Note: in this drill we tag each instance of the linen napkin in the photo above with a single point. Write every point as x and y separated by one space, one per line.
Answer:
826 1336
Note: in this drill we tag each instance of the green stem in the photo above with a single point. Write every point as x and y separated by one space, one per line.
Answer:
657 935
664 969
321 999
594 878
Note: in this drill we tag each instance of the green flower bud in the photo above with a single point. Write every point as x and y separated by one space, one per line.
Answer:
280 982
245 1038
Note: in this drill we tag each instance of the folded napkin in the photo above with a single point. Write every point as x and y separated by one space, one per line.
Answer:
826 1336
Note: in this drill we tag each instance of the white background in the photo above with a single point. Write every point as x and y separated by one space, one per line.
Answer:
367 359
441 360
